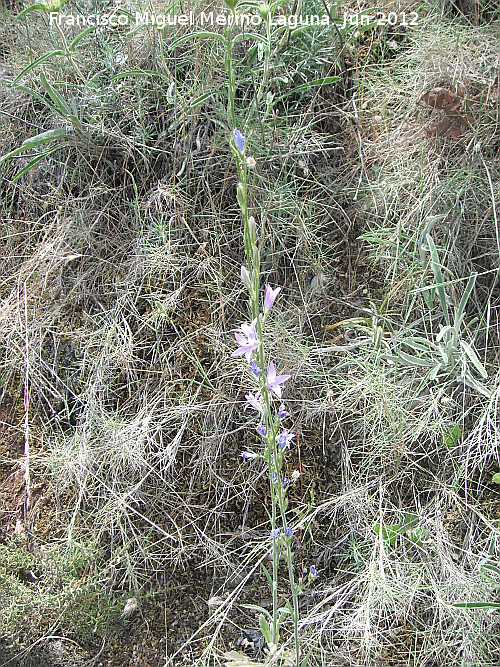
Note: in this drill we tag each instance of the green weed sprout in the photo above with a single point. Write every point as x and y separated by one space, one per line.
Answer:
449 355
51 7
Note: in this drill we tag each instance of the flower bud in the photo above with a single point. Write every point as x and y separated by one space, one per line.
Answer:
264 10
252 228
240 196
256 257
245 277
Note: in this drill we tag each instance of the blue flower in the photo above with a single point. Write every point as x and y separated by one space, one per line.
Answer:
275 477
289 532
284 483
284 439
282 413
254 369
262 430
248 455
239 139
314 571
275 532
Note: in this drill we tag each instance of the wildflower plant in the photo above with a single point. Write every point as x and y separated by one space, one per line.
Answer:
265 398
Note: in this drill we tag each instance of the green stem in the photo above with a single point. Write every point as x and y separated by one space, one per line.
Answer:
267 51
68 52
230 74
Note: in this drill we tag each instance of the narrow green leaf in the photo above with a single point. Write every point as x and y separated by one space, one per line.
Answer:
284 611
250 35
265 629
261 610
55 97
202 34
317 82
470 352
420 344
268 576
33 162
477 605
489 566
79 37
416 361
38 96
463 301
139 72
35 142
305 660
74 120
31 8
443 332
38 61
200 100
438 276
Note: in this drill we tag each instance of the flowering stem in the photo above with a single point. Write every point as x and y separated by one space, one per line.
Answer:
266 13
251 341
230 72
273 453
68 52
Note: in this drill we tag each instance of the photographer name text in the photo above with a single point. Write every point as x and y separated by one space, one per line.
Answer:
115 19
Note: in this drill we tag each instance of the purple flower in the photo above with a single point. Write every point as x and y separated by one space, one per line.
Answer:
314 571
240 140
289 532
270 297
275 532
284 483
254 369
284 439
254 401
282 413
246 337
262 430
274 381
248 455
275 477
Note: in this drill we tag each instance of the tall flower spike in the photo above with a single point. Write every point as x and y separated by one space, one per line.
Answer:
274 381
239 139
271 295
246 337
